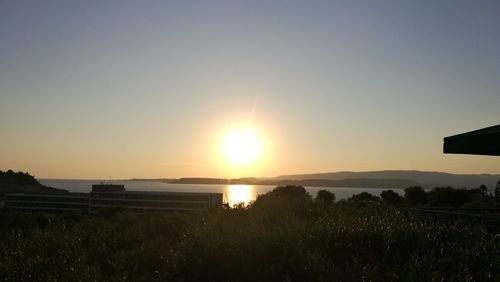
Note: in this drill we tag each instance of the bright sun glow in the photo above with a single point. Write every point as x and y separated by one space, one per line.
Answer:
241 147
237 194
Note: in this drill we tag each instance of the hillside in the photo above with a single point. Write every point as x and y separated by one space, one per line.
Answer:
20 182
425 178
349 182
368 179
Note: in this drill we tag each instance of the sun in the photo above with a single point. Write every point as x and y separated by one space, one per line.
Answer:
241 147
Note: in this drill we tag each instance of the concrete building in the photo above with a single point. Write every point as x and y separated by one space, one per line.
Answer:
109 195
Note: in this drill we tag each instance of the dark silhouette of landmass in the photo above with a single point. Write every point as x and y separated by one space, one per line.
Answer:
353 182
202 180
165 180
369 179
20 182
349 182
427 179
195 180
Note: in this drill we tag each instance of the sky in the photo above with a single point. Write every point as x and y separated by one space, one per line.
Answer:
122 89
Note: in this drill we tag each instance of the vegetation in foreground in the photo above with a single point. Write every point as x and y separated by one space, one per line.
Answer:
283 236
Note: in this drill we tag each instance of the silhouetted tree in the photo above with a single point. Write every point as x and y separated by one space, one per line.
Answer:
392 198
364 197
283 199
447 196
288 192
17 178
484 190
325 197
415 195
497 190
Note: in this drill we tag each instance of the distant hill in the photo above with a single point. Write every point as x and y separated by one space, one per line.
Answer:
203 180
350 182
20 182
200 180
427 179
368 179
164 180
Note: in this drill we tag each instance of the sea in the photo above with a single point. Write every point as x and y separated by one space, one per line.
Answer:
232 194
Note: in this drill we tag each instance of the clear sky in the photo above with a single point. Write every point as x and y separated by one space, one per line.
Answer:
120 89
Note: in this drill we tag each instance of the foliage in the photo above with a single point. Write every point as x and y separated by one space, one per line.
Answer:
447 196
364 198
289 192
415 195
391 198
325 197
483 190
21 182
18 178
277 238
284 199
481 204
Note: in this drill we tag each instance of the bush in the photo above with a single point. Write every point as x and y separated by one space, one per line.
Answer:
278 238
391 198
283 200
364 198
447 196
289 192
415 196
325 197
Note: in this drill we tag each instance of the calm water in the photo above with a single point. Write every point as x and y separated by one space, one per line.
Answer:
233 194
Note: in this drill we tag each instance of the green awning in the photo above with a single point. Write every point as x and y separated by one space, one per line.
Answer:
484 141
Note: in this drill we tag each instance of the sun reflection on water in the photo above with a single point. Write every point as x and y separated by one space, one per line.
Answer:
235 194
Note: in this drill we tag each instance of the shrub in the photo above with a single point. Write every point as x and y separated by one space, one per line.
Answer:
275 239
364 198
391 198
447 196
415 196
325 197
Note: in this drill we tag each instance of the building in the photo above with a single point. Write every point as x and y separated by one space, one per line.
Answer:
107 195
64 202
110 195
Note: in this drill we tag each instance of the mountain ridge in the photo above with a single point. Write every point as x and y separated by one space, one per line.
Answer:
424 178
367 179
